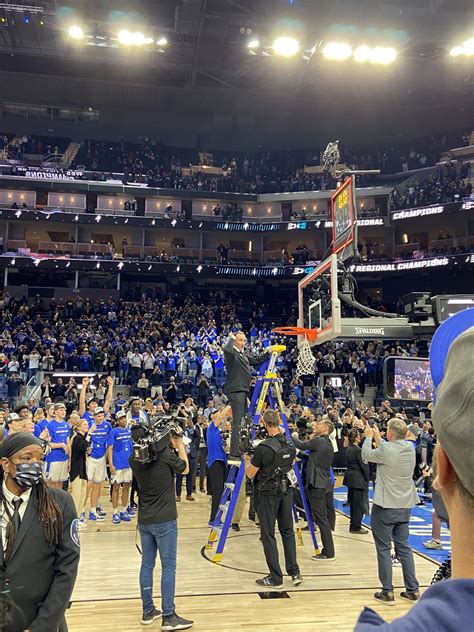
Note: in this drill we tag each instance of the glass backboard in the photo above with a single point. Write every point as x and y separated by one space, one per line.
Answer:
319 305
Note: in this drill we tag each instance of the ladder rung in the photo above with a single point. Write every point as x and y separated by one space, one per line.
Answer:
224 507
230 486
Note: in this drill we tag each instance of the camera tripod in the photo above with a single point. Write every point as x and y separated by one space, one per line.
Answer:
267 384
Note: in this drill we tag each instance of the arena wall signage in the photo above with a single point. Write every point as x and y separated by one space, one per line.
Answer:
49 174
401 265
435 209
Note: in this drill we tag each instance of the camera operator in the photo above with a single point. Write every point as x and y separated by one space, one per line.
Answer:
319 486
269 466
157 523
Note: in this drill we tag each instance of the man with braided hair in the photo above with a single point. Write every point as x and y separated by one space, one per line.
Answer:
39 552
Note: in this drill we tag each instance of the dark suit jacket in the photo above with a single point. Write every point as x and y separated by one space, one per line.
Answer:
357 473
194 434
38 579
238 368
321 454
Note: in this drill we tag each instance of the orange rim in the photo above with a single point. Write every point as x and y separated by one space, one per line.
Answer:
311 334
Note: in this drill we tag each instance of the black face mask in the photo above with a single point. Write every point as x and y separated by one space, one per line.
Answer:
28 474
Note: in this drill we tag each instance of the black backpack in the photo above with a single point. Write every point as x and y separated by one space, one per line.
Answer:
274 478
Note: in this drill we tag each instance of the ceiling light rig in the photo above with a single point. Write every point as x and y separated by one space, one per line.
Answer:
103 36
289 47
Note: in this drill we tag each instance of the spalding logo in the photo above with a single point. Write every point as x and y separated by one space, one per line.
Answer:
370 331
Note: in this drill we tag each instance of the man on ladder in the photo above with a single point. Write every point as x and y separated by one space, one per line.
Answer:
237 387
271 466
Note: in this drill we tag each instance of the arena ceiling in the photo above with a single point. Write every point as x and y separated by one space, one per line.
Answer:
206 64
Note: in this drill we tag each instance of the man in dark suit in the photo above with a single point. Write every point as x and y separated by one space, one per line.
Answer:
237 386
319 484
193 433
39 530
357 480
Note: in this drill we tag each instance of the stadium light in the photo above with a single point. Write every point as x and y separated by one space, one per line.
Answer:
76 32
456 51
162 41
286 46
127 38
362 53
383 55
338 51
467 49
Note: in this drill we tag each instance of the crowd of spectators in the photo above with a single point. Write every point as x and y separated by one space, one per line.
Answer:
449 185
150 162
168 347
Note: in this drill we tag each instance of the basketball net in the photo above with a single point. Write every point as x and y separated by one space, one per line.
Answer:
306 359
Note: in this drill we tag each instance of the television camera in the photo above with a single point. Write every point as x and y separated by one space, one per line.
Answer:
250 435
157 434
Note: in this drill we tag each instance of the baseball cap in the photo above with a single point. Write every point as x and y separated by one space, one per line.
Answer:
414 429
98 410
452 411
120 414
443 337
11 417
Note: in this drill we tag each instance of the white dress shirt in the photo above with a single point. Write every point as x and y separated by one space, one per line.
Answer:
8 497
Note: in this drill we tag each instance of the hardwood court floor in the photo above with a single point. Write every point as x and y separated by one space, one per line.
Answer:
224 597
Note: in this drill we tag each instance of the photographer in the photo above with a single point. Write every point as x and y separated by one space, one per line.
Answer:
157 523
357 480
394 497
193 433
269 466
319 484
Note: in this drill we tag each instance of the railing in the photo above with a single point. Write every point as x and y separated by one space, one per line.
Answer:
32 388
16 244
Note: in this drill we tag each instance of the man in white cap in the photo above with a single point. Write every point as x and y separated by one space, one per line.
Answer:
448 605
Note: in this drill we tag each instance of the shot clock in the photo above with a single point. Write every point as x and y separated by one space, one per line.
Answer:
343 211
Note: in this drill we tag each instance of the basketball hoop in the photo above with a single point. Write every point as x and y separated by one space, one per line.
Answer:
306 360
310 334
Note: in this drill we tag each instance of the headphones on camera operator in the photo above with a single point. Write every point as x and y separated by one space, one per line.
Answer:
278 478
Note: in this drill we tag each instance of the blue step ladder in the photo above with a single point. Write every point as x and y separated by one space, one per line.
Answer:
267 384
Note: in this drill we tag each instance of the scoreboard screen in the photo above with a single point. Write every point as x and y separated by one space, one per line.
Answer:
343 218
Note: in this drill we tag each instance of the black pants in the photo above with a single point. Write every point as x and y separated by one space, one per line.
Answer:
238 402
357 506
217 474
322 507
134 491
272 510
189 479
201 463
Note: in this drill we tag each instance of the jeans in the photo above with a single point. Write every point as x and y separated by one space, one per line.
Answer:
388 525
161 537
